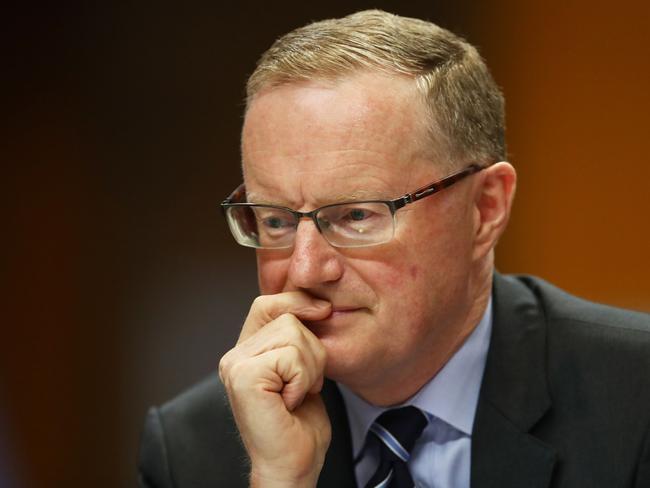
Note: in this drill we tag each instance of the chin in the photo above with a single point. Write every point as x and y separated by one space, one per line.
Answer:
341 373
342 361
349 366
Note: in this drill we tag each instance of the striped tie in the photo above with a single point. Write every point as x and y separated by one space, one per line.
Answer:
397 430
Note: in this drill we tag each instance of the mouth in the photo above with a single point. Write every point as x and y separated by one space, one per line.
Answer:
337 314
340 311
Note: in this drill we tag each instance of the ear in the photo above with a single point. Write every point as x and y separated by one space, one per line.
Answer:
493 200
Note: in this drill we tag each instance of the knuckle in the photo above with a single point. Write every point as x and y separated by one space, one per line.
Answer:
266 307
295 332
295 352
225 364
288 323
305 368
230 367
285 318
238 382
259 301
292 323
235 373
259 307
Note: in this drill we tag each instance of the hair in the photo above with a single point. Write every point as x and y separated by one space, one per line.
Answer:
464 106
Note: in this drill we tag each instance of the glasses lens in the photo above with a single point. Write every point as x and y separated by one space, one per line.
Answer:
357 224
261 226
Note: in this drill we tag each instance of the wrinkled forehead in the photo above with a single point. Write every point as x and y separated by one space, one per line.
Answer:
359 136
358 112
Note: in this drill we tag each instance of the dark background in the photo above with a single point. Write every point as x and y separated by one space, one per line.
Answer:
120 128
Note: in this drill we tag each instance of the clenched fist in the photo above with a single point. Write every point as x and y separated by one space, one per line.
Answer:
273 377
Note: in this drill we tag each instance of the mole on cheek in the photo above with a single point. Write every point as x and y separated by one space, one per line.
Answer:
414 271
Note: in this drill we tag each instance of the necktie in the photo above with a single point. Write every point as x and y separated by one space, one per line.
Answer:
397 430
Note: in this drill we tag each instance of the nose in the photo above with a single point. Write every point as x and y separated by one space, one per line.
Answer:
314 261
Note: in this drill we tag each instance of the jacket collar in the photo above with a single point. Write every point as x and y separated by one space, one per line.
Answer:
514 395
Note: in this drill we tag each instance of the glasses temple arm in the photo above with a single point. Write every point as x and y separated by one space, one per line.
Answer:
437 186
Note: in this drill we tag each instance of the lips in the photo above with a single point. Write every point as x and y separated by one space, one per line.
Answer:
341 311
344 309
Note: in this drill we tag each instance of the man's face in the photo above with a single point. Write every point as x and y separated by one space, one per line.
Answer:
396 305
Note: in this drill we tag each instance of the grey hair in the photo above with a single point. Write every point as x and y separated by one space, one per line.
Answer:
464 105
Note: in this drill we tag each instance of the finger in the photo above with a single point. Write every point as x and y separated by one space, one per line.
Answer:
282 373
266 308
317 386
318 354
297 374
284 331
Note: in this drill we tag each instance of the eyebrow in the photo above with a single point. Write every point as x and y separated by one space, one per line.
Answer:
357 195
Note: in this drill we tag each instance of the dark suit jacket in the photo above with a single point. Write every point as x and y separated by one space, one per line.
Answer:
565 402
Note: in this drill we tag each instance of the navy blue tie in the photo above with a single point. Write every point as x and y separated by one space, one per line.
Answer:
397 430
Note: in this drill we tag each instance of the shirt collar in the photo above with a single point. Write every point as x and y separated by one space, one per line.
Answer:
451 395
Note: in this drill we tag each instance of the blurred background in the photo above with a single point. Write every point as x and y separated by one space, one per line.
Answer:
120 129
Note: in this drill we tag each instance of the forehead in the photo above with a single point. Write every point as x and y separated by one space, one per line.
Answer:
359 137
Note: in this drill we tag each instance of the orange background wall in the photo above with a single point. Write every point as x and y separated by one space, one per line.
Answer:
577 82
122 286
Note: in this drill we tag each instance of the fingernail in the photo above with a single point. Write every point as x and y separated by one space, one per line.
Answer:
321 303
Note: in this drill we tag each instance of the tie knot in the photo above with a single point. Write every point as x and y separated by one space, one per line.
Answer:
398 429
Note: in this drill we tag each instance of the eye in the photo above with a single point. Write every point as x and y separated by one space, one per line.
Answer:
274 222
358 214
350 214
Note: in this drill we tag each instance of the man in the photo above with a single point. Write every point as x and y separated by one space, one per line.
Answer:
384 350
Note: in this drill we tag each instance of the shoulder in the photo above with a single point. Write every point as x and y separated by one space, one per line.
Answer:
591 349
203 404
562 306
571 317
195 439
562 309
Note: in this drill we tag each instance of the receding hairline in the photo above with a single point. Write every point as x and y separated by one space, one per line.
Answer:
402 90
464 106
366 40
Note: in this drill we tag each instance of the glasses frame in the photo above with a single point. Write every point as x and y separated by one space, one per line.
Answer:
394 205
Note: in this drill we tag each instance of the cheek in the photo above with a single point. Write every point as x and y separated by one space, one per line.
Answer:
271 274
414 271
409 295
395 282
409 282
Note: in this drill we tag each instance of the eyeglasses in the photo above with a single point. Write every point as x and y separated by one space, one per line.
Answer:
348 224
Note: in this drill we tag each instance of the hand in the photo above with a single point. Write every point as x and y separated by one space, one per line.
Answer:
273 377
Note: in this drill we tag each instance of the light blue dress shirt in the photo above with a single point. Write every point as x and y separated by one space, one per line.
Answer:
442 455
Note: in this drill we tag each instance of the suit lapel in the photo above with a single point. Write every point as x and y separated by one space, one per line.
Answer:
338 470
514 395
